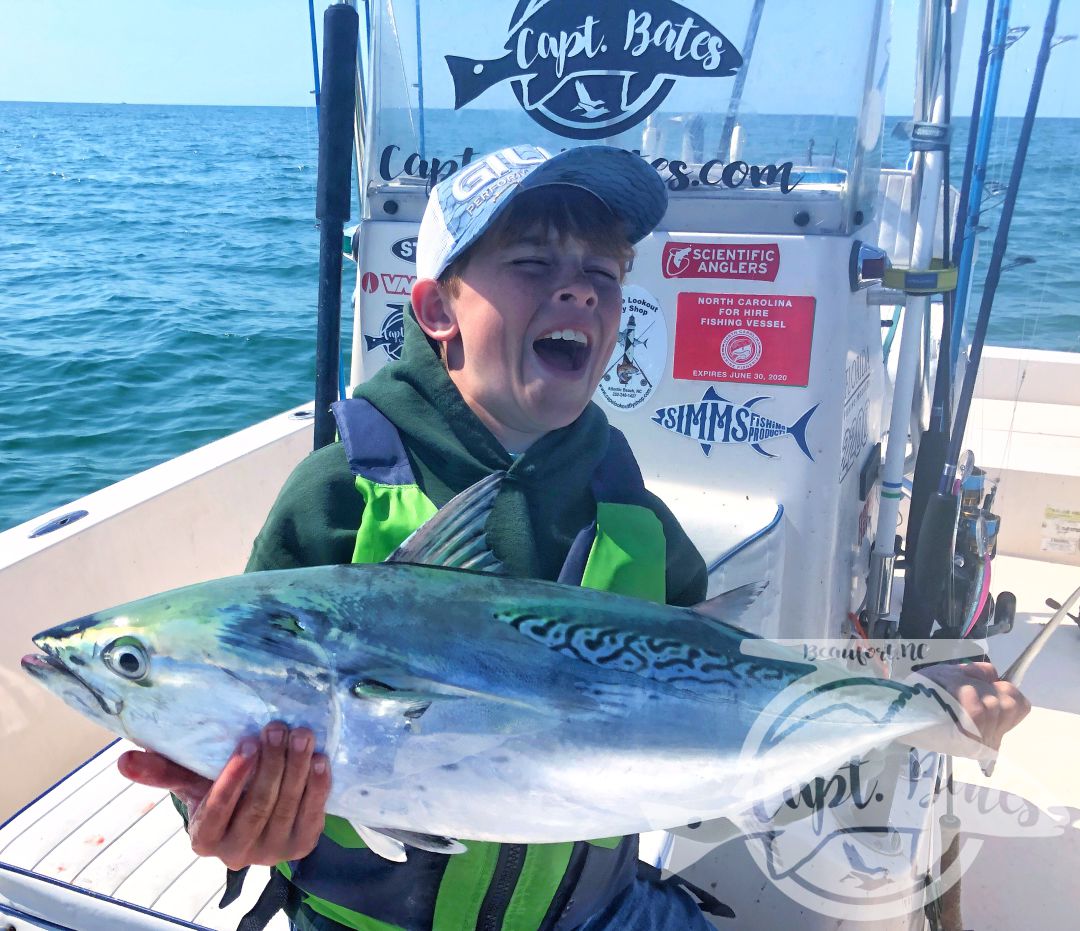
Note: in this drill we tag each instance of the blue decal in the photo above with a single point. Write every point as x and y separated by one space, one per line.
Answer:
716 420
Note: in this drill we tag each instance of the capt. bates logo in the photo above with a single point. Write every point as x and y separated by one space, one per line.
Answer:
593 75
392 333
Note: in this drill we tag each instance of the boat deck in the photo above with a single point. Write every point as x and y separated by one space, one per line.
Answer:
97 851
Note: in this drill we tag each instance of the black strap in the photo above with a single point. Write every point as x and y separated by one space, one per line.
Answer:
708 903
234 885
279 894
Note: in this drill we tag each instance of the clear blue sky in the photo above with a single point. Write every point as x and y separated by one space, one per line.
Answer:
258 52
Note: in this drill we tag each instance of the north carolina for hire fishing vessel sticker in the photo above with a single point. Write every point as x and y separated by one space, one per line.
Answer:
592 73
637 363
715 420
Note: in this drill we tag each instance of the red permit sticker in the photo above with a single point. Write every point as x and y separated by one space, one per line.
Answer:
756 262
750 338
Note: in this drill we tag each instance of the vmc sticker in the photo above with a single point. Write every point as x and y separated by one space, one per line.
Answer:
752 338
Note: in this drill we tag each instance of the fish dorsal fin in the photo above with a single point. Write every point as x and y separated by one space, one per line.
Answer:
456 537
729 606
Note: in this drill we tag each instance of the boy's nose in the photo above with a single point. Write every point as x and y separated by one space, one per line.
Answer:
578 289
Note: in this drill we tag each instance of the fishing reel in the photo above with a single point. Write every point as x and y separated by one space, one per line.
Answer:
967 609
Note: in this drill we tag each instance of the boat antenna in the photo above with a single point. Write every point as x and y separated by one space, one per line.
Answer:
341 26
942 508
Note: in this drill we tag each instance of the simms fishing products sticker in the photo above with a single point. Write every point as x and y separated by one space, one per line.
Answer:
637 363
590 74
756 338
391 334
715 420
759 262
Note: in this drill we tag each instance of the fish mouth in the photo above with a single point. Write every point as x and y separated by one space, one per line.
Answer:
50 670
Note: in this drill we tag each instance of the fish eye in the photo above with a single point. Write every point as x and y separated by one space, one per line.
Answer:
127 657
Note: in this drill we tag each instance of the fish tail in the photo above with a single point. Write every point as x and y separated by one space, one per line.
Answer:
798 430
472 77
373 342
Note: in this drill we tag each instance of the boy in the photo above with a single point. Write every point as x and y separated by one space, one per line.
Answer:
520 260
515 313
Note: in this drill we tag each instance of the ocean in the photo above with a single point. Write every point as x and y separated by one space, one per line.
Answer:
159 277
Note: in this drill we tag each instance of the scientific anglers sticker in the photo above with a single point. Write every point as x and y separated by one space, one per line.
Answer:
716 420
637 363
759 262
592 73
763 338
391 335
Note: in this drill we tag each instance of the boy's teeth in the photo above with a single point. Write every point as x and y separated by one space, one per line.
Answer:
573 335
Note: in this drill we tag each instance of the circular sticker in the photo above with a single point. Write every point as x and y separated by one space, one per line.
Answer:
640 355
740 349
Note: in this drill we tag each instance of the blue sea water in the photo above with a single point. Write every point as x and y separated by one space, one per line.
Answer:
159 269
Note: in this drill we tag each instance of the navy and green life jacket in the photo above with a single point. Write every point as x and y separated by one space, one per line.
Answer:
512 887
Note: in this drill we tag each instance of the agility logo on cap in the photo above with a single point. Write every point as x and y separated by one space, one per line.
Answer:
590 75
484 180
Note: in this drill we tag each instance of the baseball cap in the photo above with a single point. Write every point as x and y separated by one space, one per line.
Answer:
464 205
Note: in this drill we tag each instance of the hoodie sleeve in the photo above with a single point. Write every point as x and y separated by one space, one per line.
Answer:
687 577
315 518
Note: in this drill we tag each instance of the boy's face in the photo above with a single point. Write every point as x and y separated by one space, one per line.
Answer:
530 332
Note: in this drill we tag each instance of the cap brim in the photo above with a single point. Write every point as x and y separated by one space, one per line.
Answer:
630 187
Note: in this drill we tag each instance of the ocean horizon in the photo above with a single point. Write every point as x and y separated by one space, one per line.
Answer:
159 283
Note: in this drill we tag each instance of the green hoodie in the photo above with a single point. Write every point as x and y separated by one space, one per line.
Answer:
544 502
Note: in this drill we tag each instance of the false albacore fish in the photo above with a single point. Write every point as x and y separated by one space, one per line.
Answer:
715 420
457 703
554 42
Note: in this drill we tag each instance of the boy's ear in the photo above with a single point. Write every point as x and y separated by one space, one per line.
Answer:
433 311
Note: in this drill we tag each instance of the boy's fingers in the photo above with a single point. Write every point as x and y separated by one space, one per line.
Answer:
311 815
281 825
153 769
257 806
211 820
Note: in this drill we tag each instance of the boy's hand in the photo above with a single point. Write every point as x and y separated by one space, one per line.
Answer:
267 805
995 706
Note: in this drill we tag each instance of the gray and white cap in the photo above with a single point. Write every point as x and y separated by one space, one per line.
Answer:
464 205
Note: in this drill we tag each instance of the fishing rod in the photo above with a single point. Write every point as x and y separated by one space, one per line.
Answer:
972 207
314 54
915 616
929 176
332 201
724 149
942 509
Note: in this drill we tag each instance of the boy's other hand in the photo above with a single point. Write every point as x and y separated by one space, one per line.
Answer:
267 805
994 705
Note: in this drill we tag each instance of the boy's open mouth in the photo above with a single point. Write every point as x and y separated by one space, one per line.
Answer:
563 350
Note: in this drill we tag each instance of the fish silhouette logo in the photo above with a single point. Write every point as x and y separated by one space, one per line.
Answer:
392 334
716 421
676 261
593 75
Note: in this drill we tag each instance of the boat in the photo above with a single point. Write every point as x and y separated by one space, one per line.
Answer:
760 300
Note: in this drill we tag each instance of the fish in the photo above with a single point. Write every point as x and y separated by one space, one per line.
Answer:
458 704
551 44
715 420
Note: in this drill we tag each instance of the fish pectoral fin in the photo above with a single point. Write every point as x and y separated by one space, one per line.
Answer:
387 847
456 537
430 842
728 606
